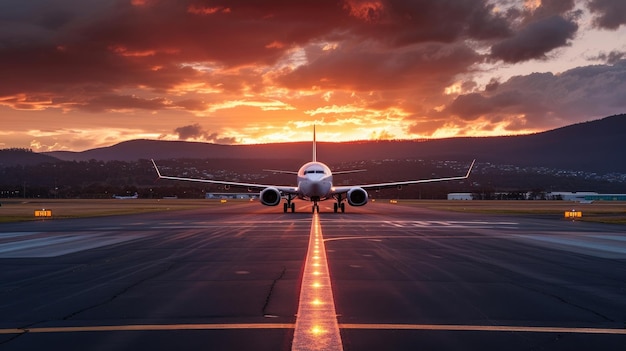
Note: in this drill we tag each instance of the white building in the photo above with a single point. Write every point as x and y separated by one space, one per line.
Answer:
460 196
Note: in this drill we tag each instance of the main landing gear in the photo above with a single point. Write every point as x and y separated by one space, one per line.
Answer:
289 205
339 205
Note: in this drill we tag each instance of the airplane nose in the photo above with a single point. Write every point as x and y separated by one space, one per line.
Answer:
320 189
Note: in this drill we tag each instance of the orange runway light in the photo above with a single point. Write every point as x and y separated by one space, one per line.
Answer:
316 326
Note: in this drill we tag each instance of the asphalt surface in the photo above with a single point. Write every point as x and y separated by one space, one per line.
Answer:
229 278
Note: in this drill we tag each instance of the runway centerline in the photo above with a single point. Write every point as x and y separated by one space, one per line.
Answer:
316 323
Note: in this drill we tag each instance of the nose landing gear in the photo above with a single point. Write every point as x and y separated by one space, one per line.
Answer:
316 207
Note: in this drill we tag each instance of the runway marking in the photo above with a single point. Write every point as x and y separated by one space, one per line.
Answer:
148 327
607 246
373 326
485 328
425 224
53 246
316 325
378 238
16 234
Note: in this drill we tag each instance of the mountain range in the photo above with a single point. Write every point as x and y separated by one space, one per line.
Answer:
595 146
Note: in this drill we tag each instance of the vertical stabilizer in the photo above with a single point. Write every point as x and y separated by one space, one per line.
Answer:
314 146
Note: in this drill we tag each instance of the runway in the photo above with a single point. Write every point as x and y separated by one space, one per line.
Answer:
247 277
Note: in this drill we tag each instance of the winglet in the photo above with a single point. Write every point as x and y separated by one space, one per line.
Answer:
470 168
156 168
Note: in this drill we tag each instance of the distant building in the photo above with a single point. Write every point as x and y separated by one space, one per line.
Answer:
585 196
244 196
580 196
460 196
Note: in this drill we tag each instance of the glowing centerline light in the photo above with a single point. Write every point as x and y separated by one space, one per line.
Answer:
316 325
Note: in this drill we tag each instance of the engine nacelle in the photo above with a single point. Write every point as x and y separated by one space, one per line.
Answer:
357 197
270 196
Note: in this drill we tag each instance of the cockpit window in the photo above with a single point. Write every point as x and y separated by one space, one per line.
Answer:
311 171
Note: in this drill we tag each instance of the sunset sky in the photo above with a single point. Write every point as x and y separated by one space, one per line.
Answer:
79 74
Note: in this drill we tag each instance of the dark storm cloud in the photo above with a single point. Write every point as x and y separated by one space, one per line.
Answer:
400 23
610 58
535 40
195 131
545 99
609 14
127 46
547 8
427 67
97 47
107 102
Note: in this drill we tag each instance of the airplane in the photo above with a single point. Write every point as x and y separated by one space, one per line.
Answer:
314 183
119 197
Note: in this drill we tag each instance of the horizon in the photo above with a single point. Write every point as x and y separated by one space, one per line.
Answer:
341 141
94 74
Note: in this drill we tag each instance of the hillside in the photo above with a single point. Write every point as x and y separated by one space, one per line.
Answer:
24 157
594 146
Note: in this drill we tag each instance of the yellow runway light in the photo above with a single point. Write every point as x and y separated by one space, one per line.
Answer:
316 326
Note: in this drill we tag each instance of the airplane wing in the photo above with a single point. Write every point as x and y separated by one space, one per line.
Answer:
283 189
334 172
350 171
345 189
280 171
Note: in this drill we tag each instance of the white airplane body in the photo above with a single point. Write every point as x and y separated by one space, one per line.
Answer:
314 183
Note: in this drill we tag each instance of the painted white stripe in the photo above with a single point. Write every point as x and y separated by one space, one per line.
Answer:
147 327
440 327
53 246
316 324
486 328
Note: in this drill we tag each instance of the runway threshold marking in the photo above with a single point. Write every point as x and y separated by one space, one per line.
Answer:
431 327
316 325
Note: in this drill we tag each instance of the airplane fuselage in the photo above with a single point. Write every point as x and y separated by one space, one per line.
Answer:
315 182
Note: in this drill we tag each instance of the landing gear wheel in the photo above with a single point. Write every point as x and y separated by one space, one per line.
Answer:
285 206
293 208
316 207
343 207
335 207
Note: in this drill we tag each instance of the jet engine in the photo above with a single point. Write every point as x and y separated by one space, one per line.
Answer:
357 197
270 196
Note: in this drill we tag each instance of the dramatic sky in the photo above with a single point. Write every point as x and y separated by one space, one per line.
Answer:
79 74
